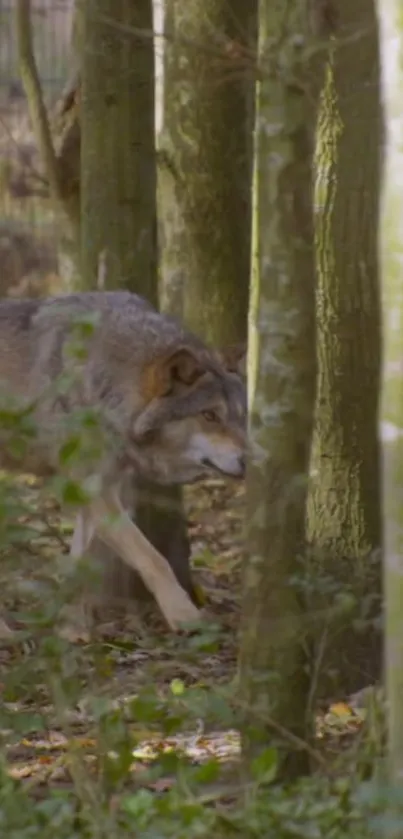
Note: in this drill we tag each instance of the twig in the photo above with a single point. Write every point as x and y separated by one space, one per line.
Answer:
33 91
19 152
317 665
299 743
214 49
102 270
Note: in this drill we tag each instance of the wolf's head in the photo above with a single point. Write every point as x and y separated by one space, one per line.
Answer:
193 419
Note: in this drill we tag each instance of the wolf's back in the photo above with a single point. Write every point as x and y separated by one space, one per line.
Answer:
128 334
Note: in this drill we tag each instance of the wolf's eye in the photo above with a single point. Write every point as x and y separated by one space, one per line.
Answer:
210 416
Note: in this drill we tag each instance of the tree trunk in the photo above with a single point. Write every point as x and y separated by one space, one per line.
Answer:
282 368
118 169
391 239
207 151
118 200
344 509
205 173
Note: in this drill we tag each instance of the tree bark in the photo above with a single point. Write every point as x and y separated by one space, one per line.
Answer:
391 247
207 148
204 172
118 201
118 170
344 509
282 376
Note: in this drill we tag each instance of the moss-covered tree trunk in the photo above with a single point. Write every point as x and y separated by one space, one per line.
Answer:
391 240
282 367
118 202
344 509
207 157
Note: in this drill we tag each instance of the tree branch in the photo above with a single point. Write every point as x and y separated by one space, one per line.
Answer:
33 91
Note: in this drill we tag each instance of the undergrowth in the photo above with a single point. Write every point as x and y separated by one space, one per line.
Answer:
136 733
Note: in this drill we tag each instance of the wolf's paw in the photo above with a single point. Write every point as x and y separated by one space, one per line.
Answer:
181 614
74 634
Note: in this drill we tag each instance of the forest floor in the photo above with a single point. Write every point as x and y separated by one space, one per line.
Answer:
127 655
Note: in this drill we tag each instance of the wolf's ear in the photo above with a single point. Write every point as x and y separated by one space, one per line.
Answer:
180 367
234 359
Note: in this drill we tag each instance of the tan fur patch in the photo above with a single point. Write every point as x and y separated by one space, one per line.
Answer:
160 376
153 381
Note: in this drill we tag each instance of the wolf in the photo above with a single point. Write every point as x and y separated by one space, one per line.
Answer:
167 409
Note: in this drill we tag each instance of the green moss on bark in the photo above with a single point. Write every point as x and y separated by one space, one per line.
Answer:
274 683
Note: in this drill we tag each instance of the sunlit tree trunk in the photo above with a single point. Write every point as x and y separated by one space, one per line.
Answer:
344 508
391 245
282 368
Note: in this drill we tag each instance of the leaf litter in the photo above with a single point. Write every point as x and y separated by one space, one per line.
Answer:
135 653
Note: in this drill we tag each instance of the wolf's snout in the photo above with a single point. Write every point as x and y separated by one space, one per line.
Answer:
235 469
241 466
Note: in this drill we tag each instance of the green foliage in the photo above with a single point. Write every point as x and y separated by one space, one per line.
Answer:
195 803
125 762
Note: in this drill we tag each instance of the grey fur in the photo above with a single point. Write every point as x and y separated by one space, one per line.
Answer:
160 435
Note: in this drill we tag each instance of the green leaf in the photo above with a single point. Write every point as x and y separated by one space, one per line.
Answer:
177 687
139 805
264 766
208 772
72 493
146 708
69 450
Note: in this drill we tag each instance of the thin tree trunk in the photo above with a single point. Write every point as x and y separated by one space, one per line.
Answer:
282 367
344 508
391 241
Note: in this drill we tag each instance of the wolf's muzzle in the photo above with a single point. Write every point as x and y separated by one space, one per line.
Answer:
238 472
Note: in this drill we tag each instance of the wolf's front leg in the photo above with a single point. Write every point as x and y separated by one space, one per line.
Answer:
83 535
78 617
114 526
